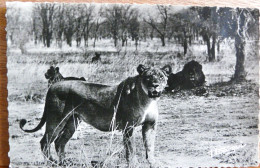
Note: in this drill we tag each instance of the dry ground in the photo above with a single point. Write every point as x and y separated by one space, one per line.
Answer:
216 129
192 131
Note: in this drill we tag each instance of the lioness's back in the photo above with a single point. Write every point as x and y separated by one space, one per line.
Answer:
86 90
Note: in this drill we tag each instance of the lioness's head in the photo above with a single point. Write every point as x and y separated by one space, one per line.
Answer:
51 72
154 80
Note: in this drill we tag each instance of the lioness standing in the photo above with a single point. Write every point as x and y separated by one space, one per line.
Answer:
132 103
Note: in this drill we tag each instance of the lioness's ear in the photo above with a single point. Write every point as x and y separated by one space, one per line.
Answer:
167 69
57 69
141 68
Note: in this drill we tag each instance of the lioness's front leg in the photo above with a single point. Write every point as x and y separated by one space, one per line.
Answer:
127 134
149 132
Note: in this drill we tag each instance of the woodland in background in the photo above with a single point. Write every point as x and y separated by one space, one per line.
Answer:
51 24
216 124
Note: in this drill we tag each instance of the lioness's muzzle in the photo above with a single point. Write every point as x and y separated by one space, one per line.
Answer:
153 94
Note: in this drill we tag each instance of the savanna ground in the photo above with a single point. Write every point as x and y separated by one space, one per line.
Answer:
219 128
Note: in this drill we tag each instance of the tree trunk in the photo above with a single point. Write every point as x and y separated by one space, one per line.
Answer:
185 43
190 39
197 35
136 43
23 48
185 46
151 35
78 40
212 56
48 38
179 39
218 45
240 73
68 37
35 40
48 42
115 40
44 37
86 39
207 39
163 40
240 55
95 38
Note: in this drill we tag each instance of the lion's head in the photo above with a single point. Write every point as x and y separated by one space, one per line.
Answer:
192 72
51 73
154 80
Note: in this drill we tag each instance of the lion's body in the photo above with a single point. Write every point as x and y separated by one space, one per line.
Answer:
131 103
190 77
53 75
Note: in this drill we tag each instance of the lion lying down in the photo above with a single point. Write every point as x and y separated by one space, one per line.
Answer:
132 103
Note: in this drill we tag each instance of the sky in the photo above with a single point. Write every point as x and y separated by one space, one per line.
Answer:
146 9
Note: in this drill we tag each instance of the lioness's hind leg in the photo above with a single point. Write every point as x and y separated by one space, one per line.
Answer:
45 147
53 128
67 132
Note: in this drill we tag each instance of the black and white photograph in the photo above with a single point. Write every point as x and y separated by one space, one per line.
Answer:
98 85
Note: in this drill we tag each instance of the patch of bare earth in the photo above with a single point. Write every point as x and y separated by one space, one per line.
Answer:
217 129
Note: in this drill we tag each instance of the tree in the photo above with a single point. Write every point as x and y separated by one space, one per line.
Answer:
69 27
243 18
46 11
96 29
161 25
234 23
128 17
98 22
113 16
36 26
134 28
19 26
87 21
182 25
208 23
13 20
144 28
79 17
59 24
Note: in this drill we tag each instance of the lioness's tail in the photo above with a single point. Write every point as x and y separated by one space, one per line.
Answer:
39 126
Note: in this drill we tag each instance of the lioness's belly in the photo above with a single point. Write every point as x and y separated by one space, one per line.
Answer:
96 115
